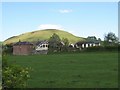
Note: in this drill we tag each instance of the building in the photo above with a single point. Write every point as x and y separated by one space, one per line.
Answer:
41 47
86 44
90 42
22 48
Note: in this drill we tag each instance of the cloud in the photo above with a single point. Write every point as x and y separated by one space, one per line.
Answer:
65 11
50 26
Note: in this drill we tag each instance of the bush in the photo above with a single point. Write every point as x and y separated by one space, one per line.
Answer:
102 48
7 49
119 48
111 48
96 48
14 76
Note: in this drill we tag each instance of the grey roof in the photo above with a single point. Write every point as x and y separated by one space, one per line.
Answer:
42 42
92 41
88 42
23 43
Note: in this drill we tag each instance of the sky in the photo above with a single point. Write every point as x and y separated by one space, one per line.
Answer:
82 19
60 0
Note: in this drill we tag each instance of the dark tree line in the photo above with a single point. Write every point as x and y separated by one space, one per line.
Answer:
111 39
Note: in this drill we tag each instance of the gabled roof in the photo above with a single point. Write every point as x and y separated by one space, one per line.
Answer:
92 41
88 41
42 42
23 43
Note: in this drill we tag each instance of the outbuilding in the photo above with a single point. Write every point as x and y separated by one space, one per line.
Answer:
22 48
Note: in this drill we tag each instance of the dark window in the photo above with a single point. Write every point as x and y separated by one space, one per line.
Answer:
43 45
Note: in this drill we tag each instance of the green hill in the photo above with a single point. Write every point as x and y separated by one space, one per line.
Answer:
43 35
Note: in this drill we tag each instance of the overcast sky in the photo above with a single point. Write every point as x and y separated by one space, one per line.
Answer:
81 18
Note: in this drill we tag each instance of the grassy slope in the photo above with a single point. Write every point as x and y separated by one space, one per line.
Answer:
80 70
43 35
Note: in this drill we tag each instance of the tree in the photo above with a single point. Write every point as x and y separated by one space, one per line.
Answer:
8 48
54 42
66 44
99 39
14 76
65 41
110 39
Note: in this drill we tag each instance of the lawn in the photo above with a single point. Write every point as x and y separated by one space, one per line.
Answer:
76 70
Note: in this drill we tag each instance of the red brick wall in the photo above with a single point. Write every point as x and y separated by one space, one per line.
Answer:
22 49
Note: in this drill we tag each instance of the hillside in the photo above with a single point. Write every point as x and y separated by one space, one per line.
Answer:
43 35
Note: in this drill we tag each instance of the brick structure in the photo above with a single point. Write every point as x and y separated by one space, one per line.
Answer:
22 48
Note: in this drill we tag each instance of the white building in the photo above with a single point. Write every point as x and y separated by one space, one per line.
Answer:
41 47
86 44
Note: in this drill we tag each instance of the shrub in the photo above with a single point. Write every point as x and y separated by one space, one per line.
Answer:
14 76
111 48
119 48
96 48
7 49
102 48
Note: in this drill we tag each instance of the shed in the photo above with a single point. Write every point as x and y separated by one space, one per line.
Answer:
22 48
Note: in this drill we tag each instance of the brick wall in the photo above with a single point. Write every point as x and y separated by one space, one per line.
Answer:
22 49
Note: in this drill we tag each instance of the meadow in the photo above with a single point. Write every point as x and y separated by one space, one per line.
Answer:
75 70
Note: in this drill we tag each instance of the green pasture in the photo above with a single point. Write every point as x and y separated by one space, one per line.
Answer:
76 70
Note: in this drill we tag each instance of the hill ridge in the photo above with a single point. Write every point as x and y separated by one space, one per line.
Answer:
44 34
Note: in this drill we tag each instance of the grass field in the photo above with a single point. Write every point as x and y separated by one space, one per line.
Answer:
78 70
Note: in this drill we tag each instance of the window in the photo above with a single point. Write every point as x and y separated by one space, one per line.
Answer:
43 45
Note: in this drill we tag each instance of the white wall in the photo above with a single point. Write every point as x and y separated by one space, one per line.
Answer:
94 44
86 45
90 45
38 48
82 45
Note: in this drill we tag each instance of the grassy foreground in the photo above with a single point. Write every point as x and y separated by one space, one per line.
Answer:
78 70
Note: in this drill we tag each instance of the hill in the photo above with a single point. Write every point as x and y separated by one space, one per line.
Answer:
43 35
